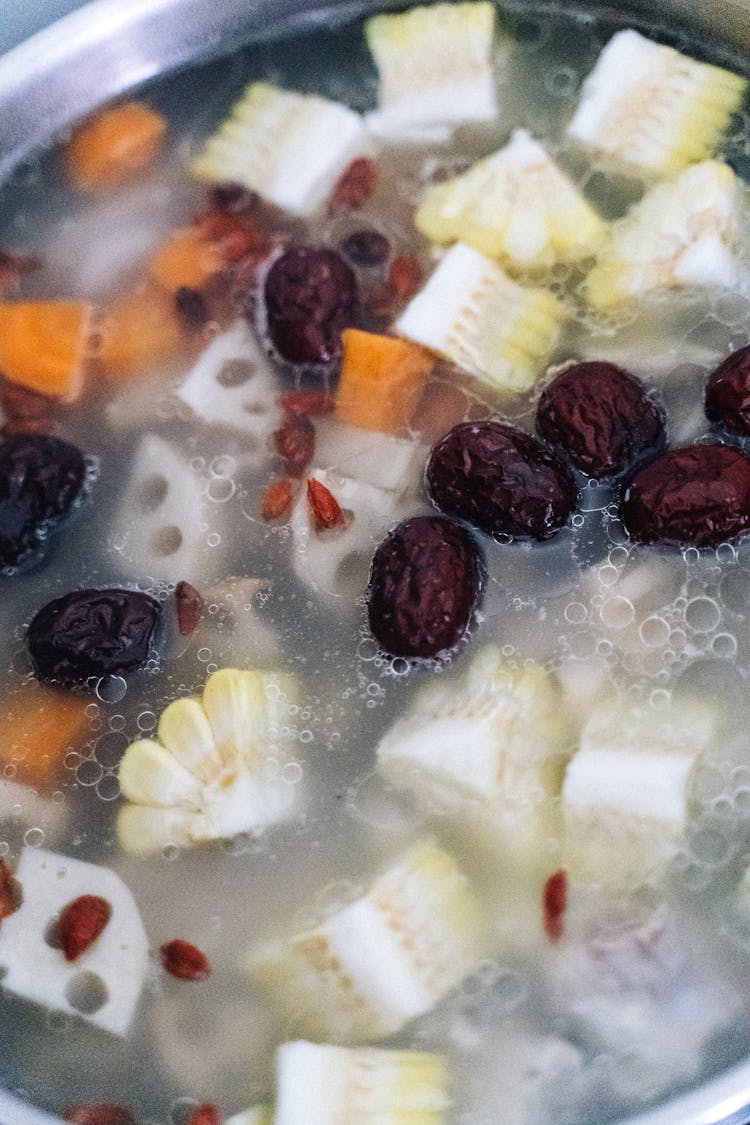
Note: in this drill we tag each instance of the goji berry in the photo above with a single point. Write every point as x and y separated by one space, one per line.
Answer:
185 961
295 443
206 1114
325 507
355 186
9 892
189 608
80 924
307 402
405 276
101 1114
277 500
555 899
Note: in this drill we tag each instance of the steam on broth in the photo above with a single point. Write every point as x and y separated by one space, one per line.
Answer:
517 870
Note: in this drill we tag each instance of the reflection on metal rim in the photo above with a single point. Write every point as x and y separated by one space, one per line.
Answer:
108 47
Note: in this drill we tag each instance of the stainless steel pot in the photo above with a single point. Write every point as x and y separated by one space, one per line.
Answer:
109 46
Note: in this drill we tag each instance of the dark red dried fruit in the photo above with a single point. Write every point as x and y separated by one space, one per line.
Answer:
206 1114
92 633
310 298
324 505
425 582
600 418
189 608
192 307
728 393
502 480
294 442
184 961
355 186
697 496
80 924
307 402
277 500
10 892
366 247
554 904
41 479
101 1114
22 402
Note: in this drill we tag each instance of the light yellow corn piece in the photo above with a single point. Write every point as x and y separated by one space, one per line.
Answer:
653 108
474 315
683 234
515 206
216 767
384 959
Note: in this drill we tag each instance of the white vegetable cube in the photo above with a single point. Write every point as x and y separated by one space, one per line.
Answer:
471 313
435 69
104 983
216 768
489 746
232 385
290 148
626 795
685 233
515 206
319 1084
652 107
384 959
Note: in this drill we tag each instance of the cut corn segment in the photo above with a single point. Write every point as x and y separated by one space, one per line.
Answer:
515 206
256 1115
216 770
288 147
435 70
319 1084
473 314
384 959
683 234
652 107
626 795
492 743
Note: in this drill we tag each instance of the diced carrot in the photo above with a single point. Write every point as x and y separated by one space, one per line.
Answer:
43 345
39 727
113 146
186 260
381 380
141 332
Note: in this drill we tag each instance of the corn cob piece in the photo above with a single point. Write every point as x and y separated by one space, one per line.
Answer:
384 959
215 769
491 745
653 108
683 234
116 963
326 1085
515 206
474 315
256 1115
290 148
626 795
435 70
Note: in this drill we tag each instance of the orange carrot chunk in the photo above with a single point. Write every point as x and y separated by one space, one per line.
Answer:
38 728
43 345
186 260
381 380
140 333
114 146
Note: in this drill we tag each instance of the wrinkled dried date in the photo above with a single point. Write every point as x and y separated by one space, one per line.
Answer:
425 582
92 633
185 961
697 496
41 479
501 480
728 393
80 923
294 442
600 418
310 298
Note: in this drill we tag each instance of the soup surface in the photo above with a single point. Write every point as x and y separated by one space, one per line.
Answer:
556 833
